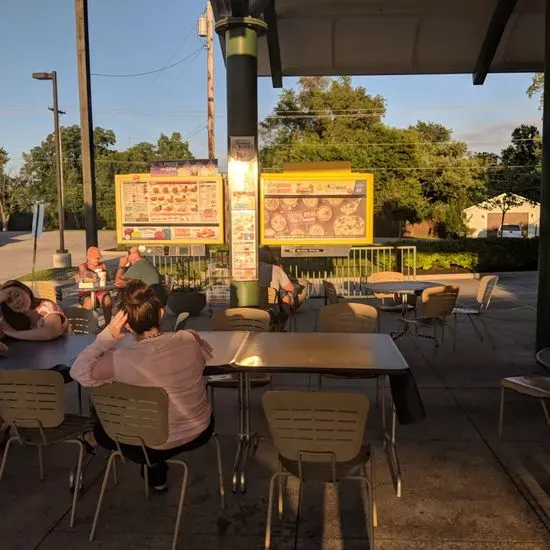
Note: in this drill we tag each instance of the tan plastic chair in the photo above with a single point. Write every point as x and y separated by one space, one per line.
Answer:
436 306
32 402
46 290
530 386
82 321
319 438
245 319
136 415
487 286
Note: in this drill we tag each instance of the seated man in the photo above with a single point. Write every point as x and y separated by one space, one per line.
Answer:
88 272
134 267
273 276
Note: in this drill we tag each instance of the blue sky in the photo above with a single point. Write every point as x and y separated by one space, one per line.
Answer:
128 36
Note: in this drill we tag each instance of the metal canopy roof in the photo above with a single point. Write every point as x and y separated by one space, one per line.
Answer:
383 37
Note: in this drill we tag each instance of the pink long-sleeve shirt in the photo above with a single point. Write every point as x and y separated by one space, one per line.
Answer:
174 361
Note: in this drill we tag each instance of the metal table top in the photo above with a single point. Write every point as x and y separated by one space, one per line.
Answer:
321 352
400 287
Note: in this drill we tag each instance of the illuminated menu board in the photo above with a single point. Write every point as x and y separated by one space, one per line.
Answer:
156 210
336 210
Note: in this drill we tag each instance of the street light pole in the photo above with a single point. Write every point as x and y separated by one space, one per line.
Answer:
61 258
58 168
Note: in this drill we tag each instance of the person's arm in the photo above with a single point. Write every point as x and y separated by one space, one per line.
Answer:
284 282
85 275
94 366
120 281
54 326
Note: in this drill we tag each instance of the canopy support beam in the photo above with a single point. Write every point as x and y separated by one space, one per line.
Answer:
501 15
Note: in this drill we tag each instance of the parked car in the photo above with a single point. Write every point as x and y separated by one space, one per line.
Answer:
511 231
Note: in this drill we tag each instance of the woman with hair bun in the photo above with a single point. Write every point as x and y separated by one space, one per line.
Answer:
174 361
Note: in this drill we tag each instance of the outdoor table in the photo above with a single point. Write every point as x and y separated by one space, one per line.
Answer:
543 358
373 355
403 289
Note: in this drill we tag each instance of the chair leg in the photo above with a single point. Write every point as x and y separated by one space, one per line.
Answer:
40 462
267 543
373 489
487 331
501 416
282 490
320 383
180 504
110 462
220 469
455 331
478 332
5 457
146 480
115 475
77 479
545 409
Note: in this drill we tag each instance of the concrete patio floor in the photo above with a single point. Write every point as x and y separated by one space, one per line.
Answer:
463 486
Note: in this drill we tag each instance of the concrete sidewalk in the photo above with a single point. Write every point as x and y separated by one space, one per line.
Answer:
463 487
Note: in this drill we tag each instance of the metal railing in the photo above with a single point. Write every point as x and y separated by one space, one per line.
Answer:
347 274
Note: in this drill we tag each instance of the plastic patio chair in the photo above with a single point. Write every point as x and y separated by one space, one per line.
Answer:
137 415
245 319
47 290
436 306
32 402
319 438
331 295
82 321
530 386
487 286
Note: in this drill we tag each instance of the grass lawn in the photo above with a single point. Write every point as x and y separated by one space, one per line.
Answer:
52 274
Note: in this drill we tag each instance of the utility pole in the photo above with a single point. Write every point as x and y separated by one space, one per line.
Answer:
210 78
86 124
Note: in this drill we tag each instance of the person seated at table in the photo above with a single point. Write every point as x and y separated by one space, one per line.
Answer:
271 275
174 361
134 267
88 272
26 317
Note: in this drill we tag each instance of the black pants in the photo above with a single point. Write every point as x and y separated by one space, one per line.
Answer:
156 473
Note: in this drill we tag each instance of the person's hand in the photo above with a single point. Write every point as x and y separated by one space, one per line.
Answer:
122 262
117 324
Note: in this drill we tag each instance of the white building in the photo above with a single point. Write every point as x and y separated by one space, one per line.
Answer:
485 222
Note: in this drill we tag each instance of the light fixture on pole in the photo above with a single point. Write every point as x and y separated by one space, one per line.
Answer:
61 258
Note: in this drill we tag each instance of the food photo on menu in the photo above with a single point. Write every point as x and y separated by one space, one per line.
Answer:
314 217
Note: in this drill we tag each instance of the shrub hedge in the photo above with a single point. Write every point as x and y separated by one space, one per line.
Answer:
480 255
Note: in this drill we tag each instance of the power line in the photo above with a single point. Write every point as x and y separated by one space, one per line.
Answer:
150 72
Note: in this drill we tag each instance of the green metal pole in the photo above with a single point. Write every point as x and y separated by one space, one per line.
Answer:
241 36
543 299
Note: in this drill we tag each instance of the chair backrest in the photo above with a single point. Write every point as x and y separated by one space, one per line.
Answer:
385 277
45 290
181 321
348 317
241 318
82 321
32 398
303 295
268 296
487 286
132 414
331 296
316 422
438 302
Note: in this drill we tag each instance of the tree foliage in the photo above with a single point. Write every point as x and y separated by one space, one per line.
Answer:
536 88
38 173
419 171
9 191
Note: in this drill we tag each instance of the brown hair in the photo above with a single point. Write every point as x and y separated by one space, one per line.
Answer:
18 321
142 305
266 255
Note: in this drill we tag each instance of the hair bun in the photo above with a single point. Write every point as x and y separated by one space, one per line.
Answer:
136 293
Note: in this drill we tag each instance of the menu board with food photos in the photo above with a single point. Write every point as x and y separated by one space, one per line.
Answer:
317 211
187 210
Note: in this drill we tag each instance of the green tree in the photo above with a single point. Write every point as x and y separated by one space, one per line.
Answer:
10 187
514 176
536 88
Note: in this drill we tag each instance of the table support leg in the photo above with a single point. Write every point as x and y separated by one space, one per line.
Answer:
391 453
248 441
405 305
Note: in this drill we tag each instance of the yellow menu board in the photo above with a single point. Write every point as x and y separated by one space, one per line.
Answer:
169 210
317 207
